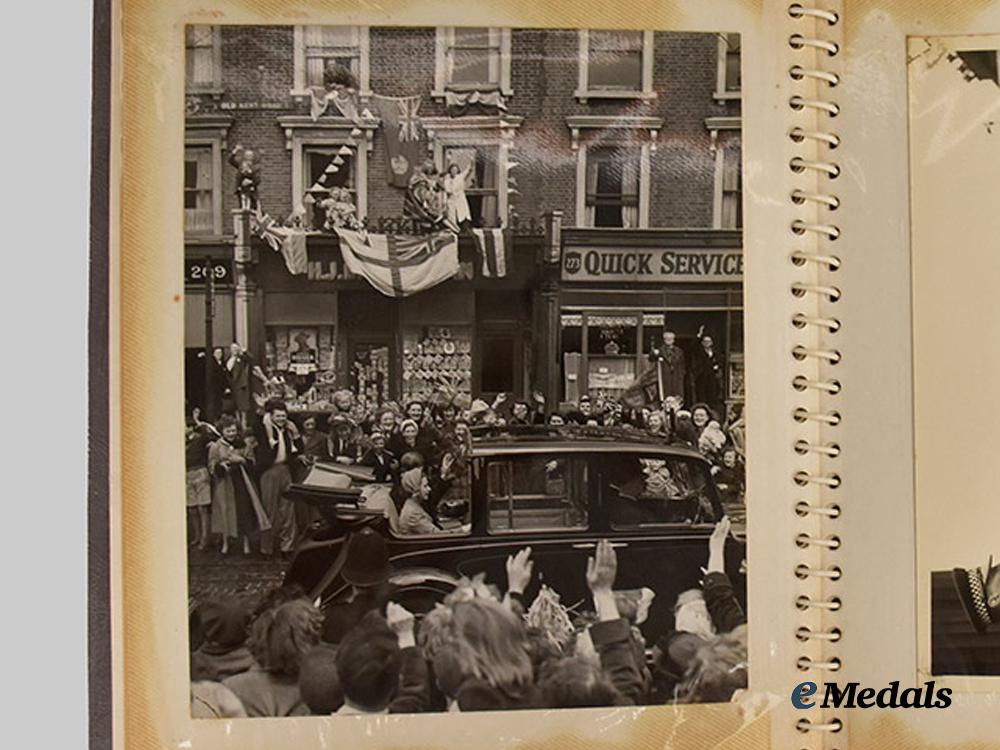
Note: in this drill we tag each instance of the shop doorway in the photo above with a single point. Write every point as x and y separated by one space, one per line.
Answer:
370 363
501 364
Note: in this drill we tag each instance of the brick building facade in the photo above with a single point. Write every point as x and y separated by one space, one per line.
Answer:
602 143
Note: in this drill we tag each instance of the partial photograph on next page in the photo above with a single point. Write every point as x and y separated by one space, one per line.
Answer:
955 178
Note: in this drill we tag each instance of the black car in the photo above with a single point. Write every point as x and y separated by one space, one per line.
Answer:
558 492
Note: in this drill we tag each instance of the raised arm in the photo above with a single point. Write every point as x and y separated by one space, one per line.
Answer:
612 635
720 597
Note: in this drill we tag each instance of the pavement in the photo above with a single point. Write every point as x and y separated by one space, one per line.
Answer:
245 577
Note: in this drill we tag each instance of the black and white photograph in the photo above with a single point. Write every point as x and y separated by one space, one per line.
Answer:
464 369
955 127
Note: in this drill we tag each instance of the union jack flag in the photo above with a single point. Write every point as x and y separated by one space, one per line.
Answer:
409 122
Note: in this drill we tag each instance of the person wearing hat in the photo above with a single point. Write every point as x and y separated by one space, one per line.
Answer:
379 457
342 447
979 591
366 571
224 651
314 441
476 411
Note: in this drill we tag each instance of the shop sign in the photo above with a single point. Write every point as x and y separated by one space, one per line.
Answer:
639 265
196 272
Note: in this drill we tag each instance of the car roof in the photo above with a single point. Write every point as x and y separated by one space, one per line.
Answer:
576 439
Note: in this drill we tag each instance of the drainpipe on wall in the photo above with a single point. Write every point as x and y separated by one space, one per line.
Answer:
241 282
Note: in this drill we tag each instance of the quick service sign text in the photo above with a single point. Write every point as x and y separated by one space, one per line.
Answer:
620 264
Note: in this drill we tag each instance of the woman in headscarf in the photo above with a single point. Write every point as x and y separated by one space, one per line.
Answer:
413 518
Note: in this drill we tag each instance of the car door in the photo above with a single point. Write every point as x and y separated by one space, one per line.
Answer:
644 501
542 500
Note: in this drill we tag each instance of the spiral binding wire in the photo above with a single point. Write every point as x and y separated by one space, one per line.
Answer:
812 286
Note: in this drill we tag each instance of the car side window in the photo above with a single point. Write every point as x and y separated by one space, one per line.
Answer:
641 491
537 493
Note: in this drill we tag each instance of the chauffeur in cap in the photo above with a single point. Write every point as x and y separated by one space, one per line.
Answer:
979 591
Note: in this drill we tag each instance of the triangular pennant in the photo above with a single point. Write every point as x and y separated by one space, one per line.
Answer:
345 151
308 199
321 180
355 132
332 166
338 159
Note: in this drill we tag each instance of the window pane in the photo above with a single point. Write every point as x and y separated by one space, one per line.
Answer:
654 490
471 66
199 36
198 188
537 493
326 45
331 36
733 82
613 186
472 37
316 160
615 60
200 65
317 64
191 172
616 41
200 57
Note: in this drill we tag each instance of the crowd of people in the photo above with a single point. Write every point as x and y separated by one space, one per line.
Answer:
485 647
240 467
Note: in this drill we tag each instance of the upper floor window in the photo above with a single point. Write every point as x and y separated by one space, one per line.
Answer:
203 58
315 160
729 82
729 187
480 165
613 187
199 190
615 64
473 58
204 145
319 47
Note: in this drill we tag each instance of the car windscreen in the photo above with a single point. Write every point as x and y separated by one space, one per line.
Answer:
641 491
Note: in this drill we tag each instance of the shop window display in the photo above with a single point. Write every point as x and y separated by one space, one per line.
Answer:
300 364
436 358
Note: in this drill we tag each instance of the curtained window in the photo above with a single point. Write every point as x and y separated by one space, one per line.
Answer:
199 217
481 183
732 189
202 57
614 61
326 45
612 198
473 57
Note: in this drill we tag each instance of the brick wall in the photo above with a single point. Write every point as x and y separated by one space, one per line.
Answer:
258 73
